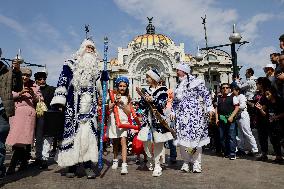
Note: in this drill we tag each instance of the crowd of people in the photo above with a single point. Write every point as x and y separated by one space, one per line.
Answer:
186 117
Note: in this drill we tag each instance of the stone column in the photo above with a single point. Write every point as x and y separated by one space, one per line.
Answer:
230 75
131 86
223 77
135 84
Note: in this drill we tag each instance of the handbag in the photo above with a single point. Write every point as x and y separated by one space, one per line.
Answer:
137 146
40 108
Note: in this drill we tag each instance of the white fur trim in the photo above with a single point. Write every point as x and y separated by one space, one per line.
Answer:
153 75
85 148
210 109
58 100
61 90
192 143
196 82
162 137
158 137
143 134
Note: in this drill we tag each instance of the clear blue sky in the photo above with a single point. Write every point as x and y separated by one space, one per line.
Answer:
50 31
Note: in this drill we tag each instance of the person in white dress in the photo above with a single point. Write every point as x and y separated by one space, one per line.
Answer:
122 101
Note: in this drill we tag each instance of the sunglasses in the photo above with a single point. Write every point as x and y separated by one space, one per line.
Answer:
39 79
225 87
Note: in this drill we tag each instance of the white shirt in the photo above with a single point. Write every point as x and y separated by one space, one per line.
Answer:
249 87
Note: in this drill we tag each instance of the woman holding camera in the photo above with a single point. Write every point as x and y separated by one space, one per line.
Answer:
22 123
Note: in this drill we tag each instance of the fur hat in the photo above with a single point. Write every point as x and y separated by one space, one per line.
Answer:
183 67
154 74
26 70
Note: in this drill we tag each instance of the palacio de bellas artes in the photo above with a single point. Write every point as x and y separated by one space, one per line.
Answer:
158 51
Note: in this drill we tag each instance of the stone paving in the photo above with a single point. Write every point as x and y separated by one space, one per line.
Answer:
217 172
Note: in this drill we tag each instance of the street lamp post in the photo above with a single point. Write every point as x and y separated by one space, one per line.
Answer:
235 38
206 43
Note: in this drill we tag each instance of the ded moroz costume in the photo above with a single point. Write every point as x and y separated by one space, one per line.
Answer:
77 91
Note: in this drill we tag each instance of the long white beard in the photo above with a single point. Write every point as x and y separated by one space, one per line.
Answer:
85 71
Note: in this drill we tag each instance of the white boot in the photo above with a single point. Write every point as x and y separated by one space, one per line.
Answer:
185 167
196 168
124 170
157 171
114 164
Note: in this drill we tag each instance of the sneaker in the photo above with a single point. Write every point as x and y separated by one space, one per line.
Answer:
124 170
137 161
251 154
262 158
241 153
185 168
173 160
196 168
157 171
43 165
90 173
151 167
114 164
70 175
71 172
232 157
278 160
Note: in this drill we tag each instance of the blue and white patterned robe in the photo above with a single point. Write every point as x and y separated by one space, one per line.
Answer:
151 129
79 142
191 102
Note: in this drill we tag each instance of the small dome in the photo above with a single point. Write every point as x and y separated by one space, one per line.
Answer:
150 38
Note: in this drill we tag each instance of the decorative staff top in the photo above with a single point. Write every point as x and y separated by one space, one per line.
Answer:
87 30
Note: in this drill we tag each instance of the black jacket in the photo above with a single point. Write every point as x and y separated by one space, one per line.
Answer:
47 93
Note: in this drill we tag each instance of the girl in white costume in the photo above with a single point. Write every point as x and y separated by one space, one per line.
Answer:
122 100
152 133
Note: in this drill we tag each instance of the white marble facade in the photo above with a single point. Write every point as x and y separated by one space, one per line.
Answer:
158 51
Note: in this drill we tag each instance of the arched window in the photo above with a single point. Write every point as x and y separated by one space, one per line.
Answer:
212 58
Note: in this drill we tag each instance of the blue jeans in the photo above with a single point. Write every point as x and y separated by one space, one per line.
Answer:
4 131
228 133
173 150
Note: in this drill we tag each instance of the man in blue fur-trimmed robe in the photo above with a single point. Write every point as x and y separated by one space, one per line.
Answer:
77 91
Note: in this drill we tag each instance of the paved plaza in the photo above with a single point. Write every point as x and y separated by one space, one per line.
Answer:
217 172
